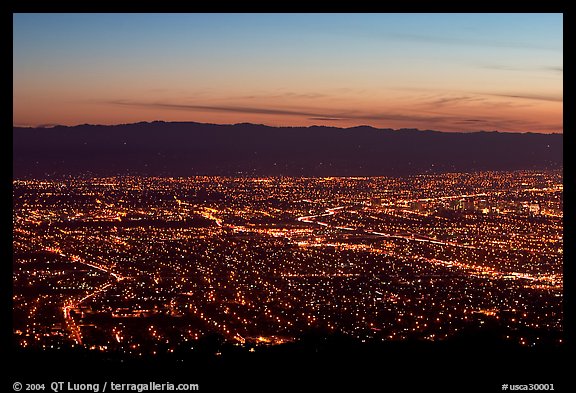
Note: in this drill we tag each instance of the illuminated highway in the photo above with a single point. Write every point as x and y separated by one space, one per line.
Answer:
553 280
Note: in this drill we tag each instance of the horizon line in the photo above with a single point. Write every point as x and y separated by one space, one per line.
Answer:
49 126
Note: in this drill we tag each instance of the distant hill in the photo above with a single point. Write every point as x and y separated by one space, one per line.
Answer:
188 148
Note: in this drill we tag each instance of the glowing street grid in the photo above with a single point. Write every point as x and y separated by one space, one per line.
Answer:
147 266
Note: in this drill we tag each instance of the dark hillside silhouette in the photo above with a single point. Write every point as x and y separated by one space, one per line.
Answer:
188 148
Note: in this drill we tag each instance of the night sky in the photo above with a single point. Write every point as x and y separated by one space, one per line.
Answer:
451 72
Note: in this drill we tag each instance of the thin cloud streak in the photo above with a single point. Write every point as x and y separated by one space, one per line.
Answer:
555 69
468 42
454 100
445 122
528 97
275 111
287 95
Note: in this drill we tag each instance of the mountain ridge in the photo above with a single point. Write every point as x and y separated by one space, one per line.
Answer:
361 126
162 148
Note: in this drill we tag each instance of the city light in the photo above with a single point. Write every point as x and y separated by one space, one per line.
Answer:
147 265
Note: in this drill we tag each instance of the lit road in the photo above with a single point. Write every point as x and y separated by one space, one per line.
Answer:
553 280
66 308
411 237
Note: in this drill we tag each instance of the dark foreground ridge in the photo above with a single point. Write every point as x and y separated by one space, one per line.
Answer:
188 149
472 362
